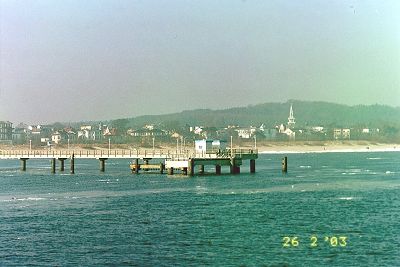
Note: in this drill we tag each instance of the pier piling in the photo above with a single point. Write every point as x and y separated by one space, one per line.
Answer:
284 165
191 167
23 164
235 169
252 166
53 165
201 169
103 164
137 166
72 164
161 168
170 171
218 169
62 165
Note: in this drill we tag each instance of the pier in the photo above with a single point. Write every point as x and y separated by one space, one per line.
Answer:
173 162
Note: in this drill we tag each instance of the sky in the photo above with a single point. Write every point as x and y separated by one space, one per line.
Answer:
76 60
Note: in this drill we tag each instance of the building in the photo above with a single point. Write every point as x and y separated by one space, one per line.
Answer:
209 146
19 135
146 133
56 137
86 133
286 131
246 133
340 134
346 133
6 131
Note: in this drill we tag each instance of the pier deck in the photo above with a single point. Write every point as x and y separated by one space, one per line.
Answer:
183 160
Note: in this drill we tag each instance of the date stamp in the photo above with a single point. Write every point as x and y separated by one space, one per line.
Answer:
314 241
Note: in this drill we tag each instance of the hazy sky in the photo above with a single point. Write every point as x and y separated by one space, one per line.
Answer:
66 60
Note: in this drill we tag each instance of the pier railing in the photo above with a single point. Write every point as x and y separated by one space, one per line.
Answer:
124 153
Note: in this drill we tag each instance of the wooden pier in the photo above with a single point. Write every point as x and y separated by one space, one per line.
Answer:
184 162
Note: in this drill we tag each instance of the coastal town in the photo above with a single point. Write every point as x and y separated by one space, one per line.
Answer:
151 135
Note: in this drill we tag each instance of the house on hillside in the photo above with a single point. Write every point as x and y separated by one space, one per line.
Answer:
56 137
246 133
154 132
341 134
87 133
285 131
6 131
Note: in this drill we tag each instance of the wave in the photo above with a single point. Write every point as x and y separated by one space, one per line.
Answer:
25 199
346 198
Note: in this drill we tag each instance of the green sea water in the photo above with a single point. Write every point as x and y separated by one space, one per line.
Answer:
330 209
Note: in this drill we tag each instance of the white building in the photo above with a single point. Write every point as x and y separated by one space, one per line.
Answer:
56 137
246 133
209 146
341 134
86 133
317 129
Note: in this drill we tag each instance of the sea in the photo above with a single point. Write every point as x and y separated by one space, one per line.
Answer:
329 209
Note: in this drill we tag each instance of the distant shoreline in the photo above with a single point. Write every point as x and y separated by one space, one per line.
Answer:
329 147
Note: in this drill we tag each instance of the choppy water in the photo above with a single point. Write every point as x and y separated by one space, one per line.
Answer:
120 219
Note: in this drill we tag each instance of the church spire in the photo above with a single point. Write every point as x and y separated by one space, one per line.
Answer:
291 121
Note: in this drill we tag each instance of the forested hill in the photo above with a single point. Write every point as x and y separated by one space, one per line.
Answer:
306 114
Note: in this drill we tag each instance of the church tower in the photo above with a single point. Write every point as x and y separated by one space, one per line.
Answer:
291 121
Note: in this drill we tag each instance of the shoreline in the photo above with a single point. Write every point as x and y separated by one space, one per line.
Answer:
328 148
298 147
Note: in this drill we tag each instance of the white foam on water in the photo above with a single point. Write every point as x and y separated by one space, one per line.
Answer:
30 199
346 198
389 172
374 158
305 167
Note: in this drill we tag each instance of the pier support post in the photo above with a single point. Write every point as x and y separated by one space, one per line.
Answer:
218 169
23 164
201 169
185 170
53 165
162 168
252 166
73 164
191 167
146 162
136 166
284 164
103 164
62 165
170 171
234 168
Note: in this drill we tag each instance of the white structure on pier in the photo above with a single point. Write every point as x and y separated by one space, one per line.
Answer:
209 146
